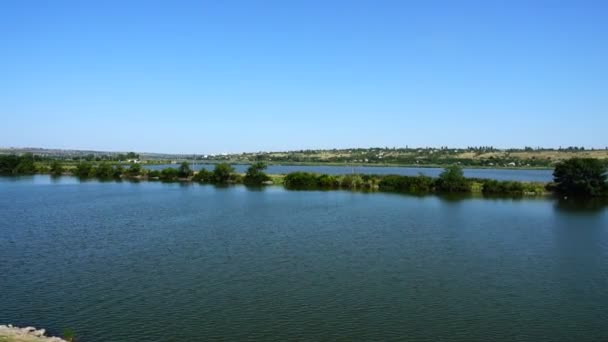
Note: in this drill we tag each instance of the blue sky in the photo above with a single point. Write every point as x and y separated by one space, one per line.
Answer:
231 76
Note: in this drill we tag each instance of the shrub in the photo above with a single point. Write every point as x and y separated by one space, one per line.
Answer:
203 176
134 170
255 174
300 180
153 174
104 171
168 174
327 182
221 173
351 182
84 170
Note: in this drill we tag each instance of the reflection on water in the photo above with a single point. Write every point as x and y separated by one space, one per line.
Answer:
583 205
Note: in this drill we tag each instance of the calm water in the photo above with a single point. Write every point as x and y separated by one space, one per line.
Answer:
170 262
499 174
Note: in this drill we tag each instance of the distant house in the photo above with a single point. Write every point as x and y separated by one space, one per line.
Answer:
134 161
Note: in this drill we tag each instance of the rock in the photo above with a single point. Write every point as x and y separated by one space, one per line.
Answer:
10 333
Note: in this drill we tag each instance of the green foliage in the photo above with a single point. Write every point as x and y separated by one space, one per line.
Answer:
452 180
118 171
222 173
134 170
418 184
581 177
169 174
300 180
203 176
25 167
351 182
104 171
494 187
184 170
17 165
8 163
56 168
153 174
236 178
84 170
328 182
255 174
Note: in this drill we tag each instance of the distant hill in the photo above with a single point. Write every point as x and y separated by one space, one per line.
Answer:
484 156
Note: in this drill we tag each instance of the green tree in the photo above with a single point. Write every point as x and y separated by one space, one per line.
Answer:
153 174
118 171
132 155
104 171
84 170
26 166
134 170
351 181
581 177
169 174
255 174
8 163
184 170
328 181
300 180
452 180
203 176
56 168
222 172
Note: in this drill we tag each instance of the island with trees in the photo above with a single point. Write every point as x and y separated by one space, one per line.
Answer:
577 177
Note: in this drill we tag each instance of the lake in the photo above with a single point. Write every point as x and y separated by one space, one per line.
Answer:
524 175
150 261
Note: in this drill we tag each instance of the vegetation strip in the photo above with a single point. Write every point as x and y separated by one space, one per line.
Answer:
581 177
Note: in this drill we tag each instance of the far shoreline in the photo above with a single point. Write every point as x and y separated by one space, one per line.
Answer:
417 166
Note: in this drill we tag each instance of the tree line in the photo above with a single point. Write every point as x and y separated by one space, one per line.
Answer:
583 177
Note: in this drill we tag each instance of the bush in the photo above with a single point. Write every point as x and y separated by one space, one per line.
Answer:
153 174
327 182
84 170
203 176
494 187
168 174
300 180
118 171
104 171
134 170
351 182
417 184
255 174
221 173
56 168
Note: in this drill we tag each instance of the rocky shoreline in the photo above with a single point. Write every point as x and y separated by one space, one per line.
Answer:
8 333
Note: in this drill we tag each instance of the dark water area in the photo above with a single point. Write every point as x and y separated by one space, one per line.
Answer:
498 174
150 261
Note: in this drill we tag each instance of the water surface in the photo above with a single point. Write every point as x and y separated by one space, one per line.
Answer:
170 262
498 174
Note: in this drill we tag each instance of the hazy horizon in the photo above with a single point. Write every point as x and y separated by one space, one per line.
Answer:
202 77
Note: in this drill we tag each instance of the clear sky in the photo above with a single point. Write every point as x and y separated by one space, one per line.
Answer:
231 76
